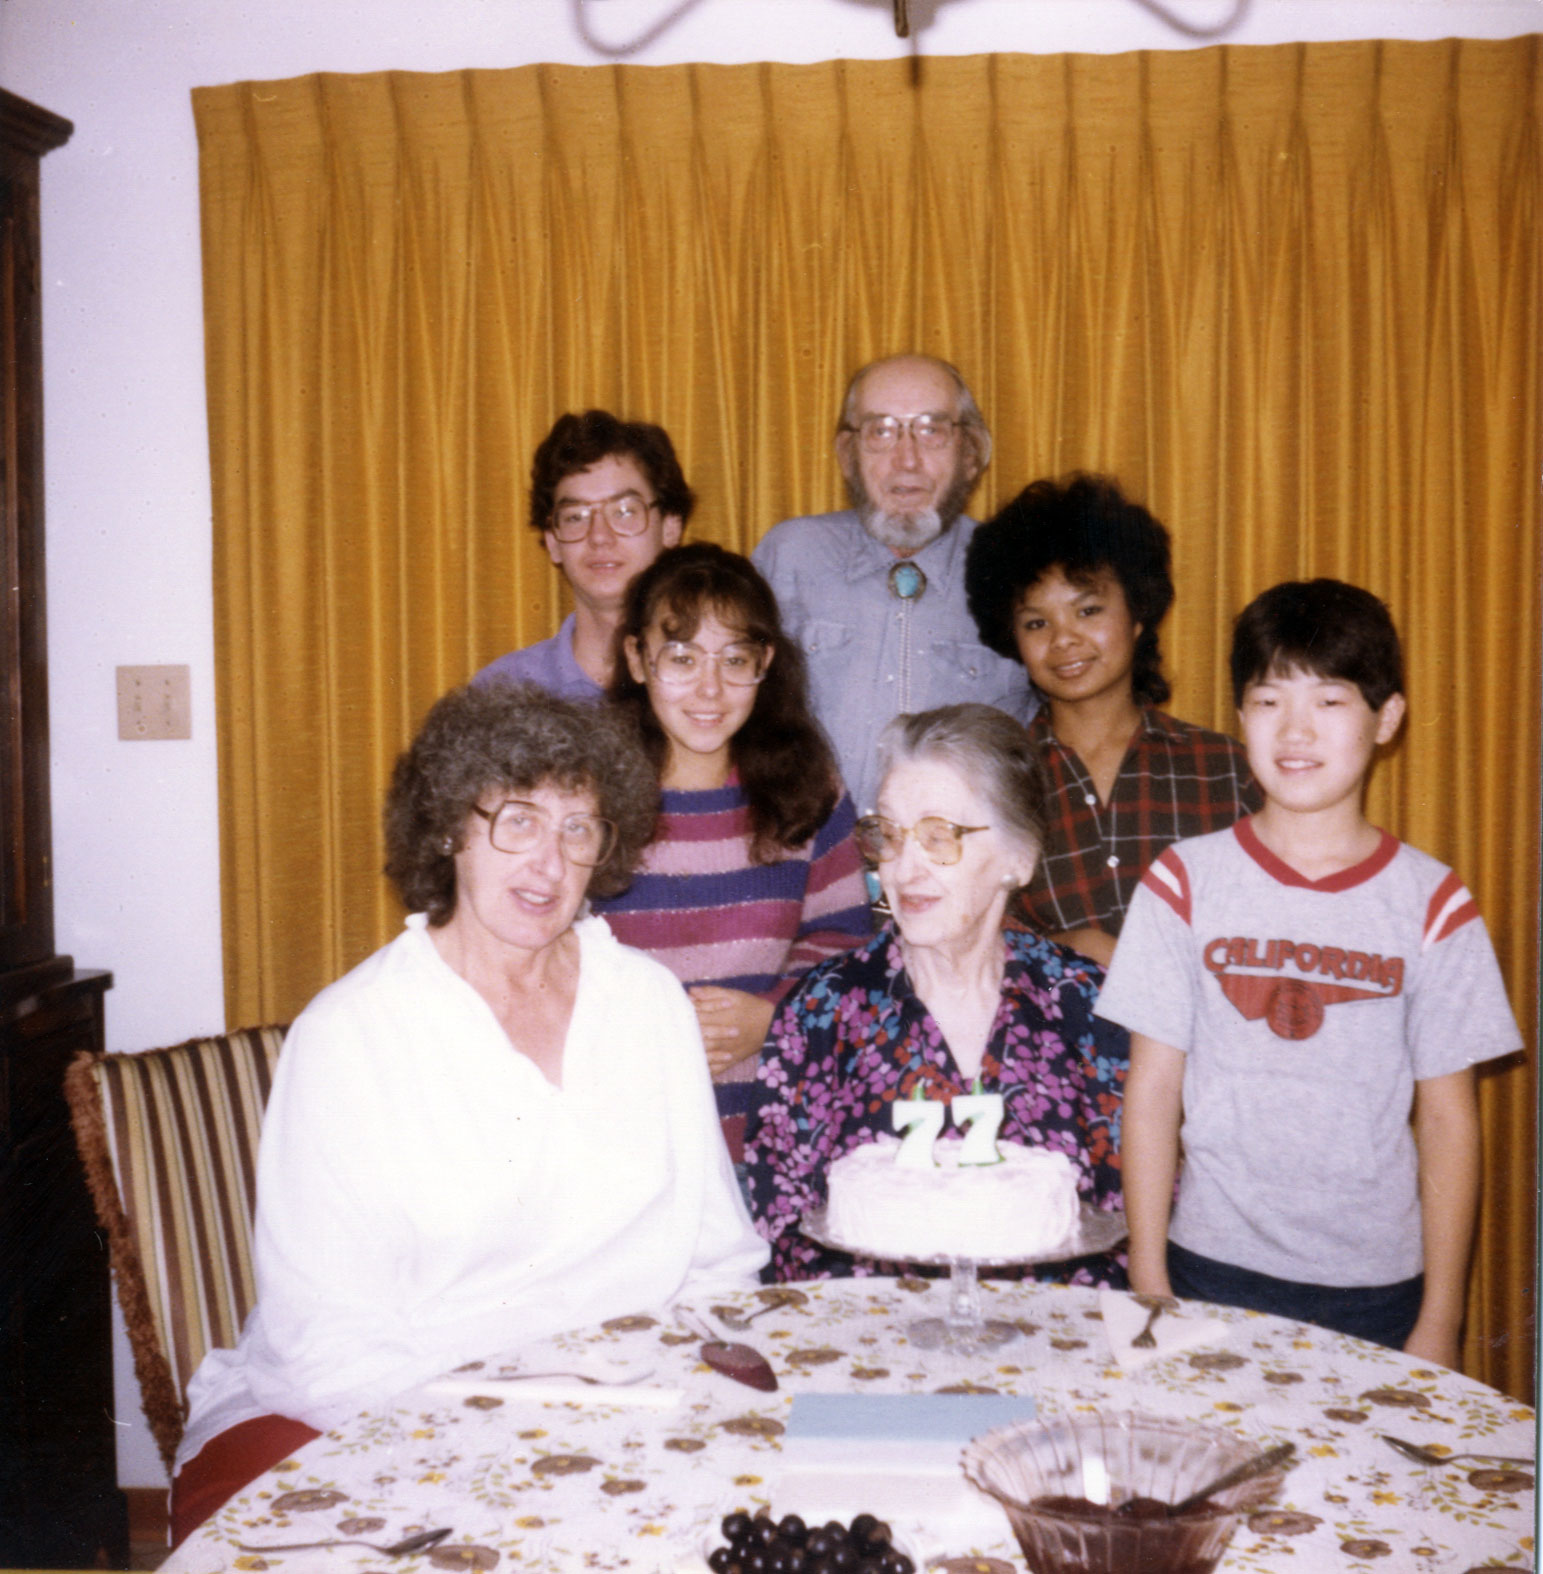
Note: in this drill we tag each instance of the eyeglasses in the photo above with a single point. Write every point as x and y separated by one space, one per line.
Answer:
741 665
627 515
941 840
879 433
516 827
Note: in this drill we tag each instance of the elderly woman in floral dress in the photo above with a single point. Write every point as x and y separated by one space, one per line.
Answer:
943 996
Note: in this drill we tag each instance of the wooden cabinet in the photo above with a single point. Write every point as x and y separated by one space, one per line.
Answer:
59 1501
26 889
60 1506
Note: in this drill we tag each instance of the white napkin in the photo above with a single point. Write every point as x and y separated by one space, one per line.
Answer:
1174 1331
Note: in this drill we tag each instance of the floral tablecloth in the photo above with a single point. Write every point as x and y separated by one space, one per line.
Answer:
532 1483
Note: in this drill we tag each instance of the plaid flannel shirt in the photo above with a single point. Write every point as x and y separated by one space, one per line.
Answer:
1176 780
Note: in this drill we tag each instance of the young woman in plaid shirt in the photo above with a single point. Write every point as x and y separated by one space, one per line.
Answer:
1073 580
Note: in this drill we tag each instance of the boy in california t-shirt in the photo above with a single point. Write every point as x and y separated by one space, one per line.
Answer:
1294 987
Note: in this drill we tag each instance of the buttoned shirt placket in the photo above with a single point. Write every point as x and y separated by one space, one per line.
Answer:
1105 816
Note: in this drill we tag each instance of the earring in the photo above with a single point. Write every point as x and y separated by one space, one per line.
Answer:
447 847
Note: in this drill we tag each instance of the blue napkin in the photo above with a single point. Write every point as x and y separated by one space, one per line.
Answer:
951 1419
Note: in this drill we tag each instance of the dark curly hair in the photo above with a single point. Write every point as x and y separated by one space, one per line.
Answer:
1322 626
1084 526
509 737
578 441
785 765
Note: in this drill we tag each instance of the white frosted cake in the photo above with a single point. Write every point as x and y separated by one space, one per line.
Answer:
1021 1208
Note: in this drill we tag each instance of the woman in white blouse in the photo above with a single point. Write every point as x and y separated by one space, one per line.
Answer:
497 1127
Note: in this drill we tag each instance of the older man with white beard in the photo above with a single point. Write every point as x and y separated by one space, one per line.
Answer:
875 593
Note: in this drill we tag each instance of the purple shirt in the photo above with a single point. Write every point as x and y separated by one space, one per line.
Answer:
549 664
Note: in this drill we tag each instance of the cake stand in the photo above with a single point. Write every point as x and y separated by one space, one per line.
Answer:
965 1329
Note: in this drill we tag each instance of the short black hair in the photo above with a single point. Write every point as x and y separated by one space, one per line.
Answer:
1322 626
1084 526
578 441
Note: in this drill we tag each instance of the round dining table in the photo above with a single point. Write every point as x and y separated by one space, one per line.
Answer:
534 1468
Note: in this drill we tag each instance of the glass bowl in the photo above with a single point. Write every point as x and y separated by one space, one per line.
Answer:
1059 1481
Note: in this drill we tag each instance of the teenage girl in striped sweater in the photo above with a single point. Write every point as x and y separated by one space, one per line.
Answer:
753 875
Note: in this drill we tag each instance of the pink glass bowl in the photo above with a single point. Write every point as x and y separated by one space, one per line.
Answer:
1107 1458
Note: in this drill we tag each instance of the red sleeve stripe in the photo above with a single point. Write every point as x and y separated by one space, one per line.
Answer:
1450 908
1168 878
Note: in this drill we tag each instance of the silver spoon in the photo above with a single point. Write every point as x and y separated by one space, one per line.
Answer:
1155 1306
1425 1456
578 1377
421 1541
1259 1465
738 1320
776 1300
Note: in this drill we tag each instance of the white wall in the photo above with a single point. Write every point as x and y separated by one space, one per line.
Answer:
135 825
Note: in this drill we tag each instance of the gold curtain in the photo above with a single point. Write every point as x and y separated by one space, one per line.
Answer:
1290 295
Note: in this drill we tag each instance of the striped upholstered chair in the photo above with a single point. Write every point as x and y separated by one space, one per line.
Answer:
169 1142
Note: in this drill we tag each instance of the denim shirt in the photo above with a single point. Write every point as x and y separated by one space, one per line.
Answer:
871 655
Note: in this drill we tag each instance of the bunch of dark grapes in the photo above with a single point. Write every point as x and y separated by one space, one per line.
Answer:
764 1545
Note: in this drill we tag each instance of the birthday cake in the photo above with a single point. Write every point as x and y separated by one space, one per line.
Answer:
1024 1207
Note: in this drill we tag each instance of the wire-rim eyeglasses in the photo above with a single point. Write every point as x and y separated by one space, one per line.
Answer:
516 827
941 841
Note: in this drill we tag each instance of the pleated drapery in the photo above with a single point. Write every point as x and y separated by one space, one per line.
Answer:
1289 295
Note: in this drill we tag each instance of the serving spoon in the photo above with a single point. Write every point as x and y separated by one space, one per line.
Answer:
1426 1456
1259 1465
420 1541
776 1300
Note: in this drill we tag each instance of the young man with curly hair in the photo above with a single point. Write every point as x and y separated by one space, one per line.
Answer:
607 497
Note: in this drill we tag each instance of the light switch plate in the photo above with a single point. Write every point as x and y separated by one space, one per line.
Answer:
154 702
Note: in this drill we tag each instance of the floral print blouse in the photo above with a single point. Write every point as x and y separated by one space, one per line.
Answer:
854 1037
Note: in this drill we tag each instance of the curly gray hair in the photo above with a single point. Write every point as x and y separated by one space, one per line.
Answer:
502 737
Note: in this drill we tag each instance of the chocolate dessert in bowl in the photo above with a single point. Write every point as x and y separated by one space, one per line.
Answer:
1095 1493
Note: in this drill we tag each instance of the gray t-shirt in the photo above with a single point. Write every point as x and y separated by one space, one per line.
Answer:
872 654
1306 1010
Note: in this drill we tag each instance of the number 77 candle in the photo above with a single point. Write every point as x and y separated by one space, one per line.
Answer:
982 1114
921 1119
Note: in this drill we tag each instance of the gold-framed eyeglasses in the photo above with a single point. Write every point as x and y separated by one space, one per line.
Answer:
517 826
679 664
879 433
627 515
940 840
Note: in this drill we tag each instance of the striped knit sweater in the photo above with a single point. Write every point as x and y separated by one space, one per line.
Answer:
712 916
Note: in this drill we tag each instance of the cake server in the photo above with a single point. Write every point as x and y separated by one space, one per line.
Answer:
743 1362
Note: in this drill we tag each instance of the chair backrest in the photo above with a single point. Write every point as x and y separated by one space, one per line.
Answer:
169 1143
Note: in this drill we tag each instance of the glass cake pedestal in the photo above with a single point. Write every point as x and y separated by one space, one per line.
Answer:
965 1328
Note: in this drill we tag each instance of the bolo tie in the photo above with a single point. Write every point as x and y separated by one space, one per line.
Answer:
906 583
